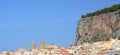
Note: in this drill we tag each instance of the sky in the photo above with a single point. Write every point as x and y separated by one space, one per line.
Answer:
54 21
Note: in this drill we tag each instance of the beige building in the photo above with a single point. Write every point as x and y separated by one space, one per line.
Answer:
42 45
20 51
33 46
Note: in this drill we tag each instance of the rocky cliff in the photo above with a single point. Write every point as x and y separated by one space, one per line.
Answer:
98 27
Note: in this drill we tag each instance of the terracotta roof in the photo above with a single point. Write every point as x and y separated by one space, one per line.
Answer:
8 54
102 52
64 52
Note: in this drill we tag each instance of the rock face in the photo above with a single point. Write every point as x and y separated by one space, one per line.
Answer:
104 26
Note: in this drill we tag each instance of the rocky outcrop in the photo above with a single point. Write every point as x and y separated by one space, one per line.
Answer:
103 26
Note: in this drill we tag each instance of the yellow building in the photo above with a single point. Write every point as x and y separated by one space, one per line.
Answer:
42 45
33 46
106 46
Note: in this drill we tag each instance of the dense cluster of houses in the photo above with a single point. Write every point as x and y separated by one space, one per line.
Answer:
111 47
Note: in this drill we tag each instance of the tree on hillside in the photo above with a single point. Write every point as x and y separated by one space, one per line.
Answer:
105 10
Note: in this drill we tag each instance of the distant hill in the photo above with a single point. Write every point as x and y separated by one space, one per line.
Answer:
100 25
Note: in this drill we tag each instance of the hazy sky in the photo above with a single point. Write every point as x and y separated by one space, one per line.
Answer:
54 21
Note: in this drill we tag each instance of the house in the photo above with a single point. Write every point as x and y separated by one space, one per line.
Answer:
62 52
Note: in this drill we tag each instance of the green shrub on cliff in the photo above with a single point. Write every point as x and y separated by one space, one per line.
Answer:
119 38
105 10
95 39
107 39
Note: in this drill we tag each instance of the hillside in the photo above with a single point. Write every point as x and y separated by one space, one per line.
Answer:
100 26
